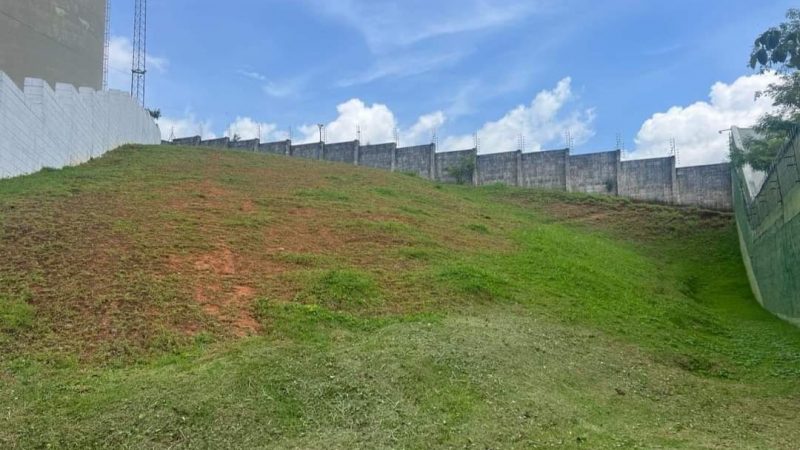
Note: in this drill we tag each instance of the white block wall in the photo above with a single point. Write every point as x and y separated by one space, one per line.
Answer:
42 127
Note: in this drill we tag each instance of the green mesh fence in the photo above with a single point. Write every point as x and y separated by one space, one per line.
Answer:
769 230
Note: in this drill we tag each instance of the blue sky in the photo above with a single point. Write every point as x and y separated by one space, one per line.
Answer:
648 71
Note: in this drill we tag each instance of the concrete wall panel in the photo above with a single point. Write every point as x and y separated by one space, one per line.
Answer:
647 179
380 156
344 152
41 127
545 170
216 143
447 160
276 148
192 141
417 160
594 173
248 145
707 186
498 168
308 151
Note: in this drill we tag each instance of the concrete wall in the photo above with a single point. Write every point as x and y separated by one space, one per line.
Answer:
250 145
708 186
216 143
653 179
345 152
188 141
309 151
42 127
768 223
445 160
545 170
595 173
648 179
381 156
418 160
276 148
53 40
499 168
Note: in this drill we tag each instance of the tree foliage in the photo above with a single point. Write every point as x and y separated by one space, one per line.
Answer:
462 172
776 49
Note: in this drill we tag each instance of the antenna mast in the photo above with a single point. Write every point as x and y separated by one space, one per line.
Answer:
139 65
107 36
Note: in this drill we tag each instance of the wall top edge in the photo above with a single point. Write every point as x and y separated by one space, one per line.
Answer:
655 158
705 166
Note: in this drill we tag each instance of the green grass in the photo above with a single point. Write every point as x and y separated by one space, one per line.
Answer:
186 298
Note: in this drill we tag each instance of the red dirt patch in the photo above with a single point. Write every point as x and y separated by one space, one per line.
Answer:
248 206
220 262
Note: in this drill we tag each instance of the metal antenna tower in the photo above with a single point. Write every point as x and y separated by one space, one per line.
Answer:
105 44
139 65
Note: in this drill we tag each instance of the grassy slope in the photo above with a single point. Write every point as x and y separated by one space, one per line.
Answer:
164 297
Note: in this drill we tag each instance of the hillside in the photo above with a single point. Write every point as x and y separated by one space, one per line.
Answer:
177 298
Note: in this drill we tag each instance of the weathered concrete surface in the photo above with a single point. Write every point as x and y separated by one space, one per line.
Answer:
380 156
446 160
498 168
216 143
59 41
250 144
648 179
594 173
308 151
417 160
768 222
653 179
276 148
192 141
708 186
545 170
344 152
44 127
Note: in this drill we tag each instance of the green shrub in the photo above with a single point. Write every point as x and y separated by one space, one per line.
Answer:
462 172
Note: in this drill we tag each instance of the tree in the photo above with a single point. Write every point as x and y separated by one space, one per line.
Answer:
154 113
776 49
463 170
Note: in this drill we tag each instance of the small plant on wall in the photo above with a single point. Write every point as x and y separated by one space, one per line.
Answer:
610 184
463 170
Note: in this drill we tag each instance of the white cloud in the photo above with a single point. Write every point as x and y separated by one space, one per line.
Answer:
253 75
120 58
423 130
388 24
541 123
696 127
404 66
186 126
248 128
376 122
277 89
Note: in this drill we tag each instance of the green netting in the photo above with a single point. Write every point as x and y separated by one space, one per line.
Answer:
769 230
